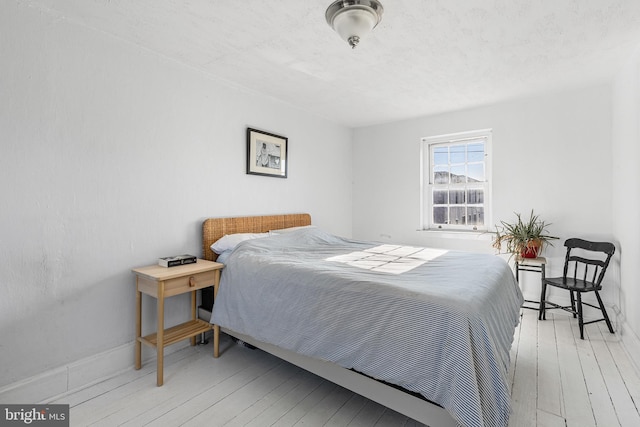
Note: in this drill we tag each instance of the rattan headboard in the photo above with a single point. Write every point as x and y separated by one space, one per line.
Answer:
215 228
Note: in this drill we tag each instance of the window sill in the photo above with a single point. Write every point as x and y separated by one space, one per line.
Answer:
460 234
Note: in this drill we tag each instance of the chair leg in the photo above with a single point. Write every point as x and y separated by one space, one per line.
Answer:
573 303
542 315
580 319
604 312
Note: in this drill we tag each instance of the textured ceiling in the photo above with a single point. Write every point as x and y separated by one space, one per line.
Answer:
425 57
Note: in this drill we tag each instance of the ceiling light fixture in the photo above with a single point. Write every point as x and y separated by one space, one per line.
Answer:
354 19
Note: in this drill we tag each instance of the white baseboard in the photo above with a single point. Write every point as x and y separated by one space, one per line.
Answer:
36 389
77 375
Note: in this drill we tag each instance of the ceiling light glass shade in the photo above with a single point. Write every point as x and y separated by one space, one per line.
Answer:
354 19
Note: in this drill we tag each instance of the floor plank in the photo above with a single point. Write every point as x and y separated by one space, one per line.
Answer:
549 387
623 363
222 412
513 353
578 411
622 404
306 405
545 419
289 401
326 408
369 415
260 406
601 405
209 396
524 393
347 412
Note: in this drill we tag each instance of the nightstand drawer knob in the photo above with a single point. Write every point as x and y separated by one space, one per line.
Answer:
192 281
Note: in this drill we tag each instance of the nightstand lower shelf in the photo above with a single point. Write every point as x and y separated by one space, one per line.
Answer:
177 333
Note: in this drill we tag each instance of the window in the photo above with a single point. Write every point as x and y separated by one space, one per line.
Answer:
455 181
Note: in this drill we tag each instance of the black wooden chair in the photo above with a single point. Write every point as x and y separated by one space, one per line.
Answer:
584 267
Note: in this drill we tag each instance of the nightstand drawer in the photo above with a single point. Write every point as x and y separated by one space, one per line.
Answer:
177 285
193 282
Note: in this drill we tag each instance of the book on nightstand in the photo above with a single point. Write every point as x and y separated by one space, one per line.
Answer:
172 261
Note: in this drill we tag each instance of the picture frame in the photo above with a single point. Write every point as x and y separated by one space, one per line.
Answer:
266 153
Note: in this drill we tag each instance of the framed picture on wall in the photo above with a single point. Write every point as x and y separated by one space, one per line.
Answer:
266 154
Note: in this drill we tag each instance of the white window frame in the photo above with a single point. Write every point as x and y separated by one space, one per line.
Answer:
427 186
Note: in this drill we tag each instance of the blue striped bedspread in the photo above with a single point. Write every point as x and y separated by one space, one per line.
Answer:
435 322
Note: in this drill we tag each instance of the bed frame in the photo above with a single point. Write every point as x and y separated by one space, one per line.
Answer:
387 395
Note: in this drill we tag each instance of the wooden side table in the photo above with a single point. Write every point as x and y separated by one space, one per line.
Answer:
536 265
160 283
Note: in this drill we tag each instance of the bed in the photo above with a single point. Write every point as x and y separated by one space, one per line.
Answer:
425 332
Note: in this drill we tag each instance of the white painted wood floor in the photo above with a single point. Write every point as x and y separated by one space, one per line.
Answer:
557 380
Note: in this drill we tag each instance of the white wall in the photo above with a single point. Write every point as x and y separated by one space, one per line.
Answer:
551 153
111 157
626 196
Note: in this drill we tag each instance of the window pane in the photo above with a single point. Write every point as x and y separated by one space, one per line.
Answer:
441 175
475 216
475 195
476 172
440 215
441 156
458 154
457 197
458 215
440 197
458 174
475 152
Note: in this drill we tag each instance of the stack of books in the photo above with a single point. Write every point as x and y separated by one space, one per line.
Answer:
172 261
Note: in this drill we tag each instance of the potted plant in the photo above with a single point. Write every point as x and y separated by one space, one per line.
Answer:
523 238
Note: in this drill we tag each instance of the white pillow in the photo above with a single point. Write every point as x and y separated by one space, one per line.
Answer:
287 230
229 241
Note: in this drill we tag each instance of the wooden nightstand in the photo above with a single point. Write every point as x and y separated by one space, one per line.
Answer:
162 282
